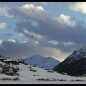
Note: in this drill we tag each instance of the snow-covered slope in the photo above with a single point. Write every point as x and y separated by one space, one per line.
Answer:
40 61
40 76
78 54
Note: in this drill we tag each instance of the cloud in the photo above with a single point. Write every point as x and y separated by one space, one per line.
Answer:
12 40
4 12
32 7
62 29
31 34
53 42
68 43
67 20
1 42
15 50
79 7
53 3
50 28
52 52
3 25
44 34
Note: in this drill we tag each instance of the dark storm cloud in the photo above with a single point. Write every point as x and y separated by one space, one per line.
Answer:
48 26
11 49
17 50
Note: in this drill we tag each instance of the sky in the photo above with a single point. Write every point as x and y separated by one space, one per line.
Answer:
53 29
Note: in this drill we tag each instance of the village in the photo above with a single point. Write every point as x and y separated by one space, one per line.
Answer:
8 66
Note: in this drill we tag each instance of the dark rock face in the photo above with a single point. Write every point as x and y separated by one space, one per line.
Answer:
74 66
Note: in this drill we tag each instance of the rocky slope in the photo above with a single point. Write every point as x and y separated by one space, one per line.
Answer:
74 65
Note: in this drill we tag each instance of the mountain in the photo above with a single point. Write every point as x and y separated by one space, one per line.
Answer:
74 65
40 61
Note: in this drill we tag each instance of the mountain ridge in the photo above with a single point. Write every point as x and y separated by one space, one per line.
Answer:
41 61
74 64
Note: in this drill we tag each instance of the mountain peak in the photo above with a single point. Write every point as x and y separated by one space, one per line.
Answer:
78 54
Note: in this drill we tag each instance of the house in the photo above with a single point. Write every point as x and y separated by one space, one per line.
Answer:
34 70
50 71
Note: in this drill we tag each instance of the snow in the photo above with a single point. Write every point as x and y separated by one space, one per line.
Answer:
30 77
40 61
36 75
80 53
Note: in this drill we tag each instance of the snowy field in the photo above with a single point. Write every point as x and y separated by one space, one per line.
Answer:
34 75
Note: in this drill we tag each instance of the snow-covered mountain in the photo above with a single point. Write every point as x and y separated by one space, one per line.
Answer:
40 61
79 54
75 64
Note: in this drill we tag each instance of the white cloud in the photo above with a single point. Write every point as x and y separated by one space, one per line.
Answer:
31 6
24 41
21 34
3 25
12 40
53 42
37 42
79 7
64 19
1 42
32 34
68 43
